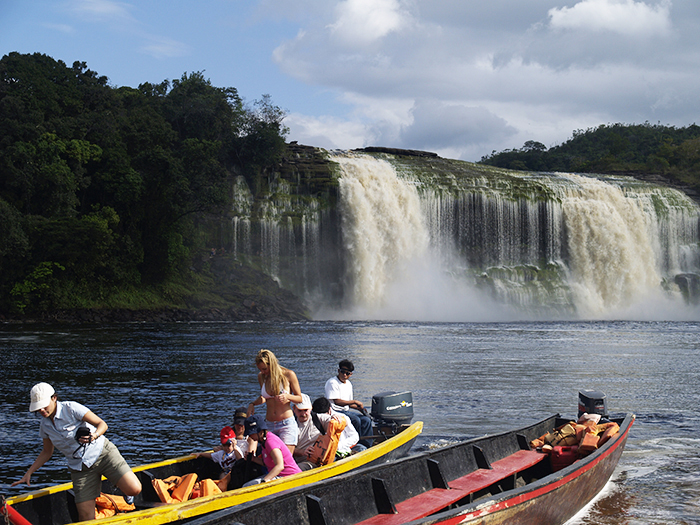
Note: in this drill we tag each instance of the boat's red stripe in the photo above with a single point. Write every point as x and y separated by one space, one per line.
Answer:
15 517
535 493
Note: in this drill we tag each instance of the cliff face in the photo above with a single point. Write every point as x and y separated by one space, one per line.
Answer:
344 231
394 234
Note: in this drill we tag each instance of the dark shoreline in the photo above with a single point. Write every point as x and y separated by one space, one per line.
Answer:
237 293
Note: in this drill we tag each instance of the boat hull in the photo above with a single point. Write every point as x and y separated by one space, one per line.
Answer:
551 502
55 506
488 480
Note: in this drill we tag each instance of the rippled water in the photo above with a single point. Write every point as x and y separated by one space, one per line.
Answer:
166 390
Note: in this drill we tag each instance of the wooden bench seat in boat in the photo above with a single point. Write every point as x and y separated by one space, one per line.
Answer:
431 501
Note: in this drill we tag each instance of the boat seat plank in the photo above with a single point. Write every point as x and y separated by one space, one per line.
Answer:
431 501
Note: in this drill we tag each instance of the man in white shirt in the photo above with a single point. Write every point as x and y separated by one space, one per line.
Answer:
339 392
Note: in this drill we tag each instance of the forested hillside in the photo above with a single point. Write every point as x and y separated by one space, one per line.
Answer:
638 149
101 188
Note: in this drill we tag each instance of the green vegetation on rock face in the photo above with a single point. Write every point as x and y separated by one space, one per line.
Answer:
457 177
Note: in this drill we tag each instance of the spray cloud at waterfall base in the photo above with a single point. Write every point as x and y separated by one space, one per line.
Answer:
441 240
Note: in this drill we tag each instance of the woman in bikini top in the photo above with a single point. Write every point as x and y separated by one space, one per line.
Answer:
279 388
263 392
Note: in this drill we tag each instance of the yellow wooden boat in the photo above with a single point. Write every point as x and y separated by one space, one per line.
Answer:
55 506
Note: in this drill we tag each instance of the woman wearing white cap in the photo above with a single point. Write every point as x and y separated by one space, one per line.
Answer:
89 453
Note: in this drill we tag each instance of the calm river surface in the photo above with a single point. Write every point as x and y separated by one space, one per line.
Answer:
167 390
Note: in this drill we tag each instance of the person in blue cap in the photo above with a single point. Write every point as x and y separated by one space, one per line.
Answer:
274 453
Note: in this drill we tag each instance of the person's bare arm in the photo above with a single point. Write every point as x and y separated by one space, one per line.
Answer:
44 456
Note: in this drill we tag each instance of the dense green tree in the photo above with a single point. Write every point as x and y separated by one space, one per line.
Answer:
100 186
617 148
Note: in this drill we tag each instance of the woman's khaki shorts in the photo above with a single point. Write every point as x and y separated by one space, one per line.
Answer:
87 483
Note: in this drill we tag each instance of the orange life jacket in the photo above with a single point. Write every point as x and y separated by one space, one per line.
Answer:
324 448
175 489
107 505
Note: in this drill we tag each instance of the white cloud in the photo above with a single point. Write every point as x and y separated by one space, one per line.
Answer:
117 18
469 78
626 17
326 132
162 47
360 22
102 9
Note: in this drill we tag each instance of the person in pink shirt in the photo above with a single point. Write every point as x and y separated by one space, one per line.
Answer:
274 453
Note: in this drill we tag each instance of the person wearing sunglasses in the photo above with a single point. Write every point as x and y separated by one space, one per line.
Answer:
339 392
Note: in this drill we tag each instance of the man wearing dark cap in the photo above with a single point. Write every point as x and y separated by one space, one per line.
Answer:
239 417
339 392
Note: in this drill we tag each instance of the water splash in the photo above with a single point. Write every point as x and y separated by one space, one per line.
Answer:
395 272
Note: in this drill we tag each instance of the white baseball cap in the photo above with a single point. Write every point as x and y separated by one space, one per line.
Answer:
305 403
41 396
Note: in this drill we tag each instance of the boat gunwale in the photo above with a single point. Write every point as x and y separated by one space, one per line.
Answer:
191 508
555 480
546 483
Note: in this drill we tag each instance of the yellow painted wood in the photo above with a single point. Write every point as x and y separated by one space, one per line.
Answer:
195 507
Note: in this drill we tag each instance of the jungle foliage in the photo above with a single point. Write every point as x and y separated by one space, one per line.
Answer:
637 149
101 187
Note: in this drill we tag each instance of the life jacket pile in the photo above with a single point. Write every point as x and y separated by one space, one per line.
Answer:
587 434
176 489
107 505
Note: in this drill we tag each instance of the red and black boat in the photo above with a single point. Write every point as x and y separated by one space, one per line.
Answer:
488 480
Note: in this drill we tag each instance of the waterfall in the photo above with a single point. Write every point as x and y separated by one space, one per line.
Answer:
612 259
443 240
383 226
589 249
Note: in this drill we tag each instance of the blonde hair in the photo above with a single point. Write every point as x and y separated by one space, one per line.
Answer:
277 378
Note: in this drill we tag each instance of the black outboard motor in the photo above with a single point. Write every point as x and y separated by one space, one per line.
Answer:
592 402
391 410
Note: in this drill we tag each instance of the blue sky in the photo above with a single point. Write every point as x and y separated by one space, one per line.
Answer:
458 77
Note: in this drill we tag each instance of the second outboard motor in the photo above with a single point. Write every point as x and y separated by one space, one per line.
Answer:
392 409
592 402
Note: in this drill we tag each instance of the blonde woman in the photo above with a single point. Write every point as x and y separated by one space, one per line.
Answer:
279 388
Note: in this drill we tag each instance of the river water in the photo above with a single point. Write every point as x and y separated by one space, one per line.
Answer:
166 390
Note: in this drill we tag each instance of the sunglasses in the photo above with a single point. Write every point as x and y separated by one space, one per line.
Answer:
345 372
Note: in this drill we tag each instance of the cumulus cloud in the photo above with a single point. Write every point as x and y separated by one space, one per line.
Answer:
360 22
326 131
472 77
626 17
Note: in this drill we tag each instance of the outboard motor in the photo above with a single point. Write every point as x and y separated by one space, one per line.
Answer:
592 402
391 410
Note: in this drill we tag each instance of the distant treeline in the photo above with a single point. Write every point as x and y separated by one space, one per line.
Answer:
101 187
643 149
